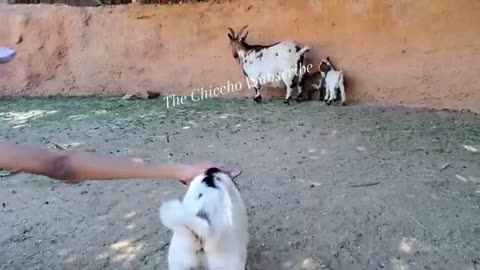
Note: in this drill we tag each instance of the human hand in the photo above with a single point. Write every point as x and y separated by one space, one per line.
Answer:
186 173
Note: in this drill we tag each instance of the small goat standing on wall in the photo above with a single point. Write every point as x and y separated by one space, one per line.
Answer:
333 80
275 65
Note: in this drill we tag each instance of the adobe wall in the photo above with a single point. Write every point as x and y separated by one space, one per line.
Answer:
413 53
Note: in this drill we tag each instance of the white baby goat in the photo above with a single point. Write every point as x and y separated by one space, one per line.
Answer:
277 65
333 80
210 225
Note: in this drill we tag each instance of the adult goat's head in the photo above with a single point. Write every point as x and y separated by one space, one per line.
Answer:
237 41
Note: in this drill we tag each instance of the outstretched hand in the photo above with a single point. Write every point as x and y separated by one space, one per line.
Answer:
186 173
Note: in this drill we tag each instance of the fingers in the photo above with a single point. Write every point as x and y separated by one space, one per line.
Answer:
189 172
72 182
221 167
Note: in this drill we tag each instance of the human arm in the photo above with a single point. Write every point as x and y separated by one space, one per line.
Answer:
75 166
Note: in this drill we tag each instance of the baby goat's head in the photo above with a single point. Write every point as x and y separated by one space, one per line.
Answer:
325 65
237 41
212 184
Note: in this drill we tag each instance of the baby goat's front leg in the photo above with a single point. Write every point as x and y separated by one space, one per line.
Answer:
182 253
327 94
331 95
174 214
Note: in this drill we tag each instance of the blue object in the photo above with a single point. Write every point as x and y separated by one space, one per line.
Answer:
6 55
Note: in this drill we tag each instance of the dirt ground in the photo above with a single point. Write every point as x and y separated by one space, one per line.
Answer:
391 52
418 206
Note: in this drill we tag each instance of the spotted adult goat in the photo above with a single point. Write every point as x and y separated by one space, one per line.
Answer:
277 65
333 80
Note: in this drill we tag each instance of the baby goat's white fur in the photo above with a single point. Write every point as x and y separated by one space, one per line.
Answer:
210 225
333 80
276 65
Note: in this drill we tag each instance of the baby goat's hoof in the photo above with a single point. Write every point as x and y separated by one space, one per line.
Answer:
287 101
257 99
299 99
329 102
344 103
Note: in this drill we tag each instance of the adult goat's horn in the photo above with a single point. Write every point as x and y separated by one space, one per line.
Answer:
241 31
245 36
232 32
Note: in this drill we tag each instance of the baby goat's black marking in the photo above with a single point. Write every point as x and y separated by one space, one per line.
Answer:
201 214
209 179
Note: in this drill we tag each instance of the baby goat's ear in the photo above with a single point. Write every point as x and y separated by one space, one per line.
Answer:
230 36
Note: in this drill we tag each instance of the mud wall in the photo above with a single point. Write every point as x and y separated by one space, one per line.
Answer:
407 52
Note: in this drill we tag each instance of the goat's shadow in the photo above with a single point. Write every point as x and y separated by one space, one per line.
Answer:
258 259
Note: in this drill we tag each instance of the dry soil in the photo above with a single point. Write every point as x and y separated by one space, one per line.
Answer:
409 53
327 187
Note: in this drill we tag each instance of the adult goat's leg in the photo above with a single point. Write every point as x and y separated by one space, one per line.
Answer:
327 94
297 83
298 78
258 96
289 95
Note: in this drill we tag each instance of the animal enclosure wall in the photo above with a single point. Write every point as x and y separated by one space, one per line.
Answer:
414 53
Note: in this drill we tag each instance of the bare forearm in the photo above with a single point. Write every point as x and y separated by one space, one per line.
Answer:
27 158
83 166
78 165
